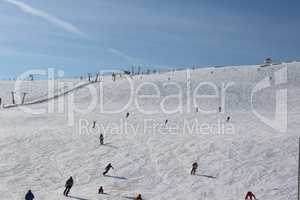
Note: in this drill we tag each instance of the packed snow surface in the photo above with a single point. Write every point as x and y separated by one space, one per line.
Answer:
41 150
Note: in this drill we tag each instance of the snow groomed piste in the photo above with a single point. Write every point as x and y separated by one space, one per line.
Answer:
152 148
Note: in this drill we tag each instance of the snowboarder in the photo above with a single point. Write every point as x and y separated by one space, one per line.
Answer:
101 139
250 196
139 197
94 124
29 195
220 109
127 114
166 122
228 119
197 109
195 166
68 186
101 191
107 168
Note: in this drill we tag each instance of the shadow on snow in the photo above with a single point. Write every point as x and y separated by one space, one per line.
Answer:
117 177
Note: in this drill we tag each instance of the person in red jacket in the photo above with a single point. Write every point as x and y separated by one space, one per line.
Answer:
250 196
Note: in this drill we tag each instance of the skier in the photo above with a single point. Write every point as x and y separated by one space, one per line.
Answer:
228 119
101 139
139 197
101 191
166 122
0 102
220 109
68 186
29 195
197 109
127 114
195 166
107 168
250 196
94 124
113 76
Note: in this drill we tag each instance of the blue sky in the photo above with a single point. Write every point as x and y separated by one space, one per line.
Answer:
80 36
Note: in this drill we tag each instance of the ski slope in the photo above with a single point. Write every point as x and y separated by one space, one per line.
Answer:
41 151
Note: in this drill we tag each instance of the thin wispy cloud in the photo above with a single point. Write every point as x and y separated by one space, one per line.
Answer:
46 16
124 56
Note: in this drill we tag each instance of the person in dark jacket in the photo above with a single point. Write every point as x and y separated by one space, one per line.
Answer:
194 169
101 191
29 195
127 115
68 186
228 119
107 168
250 196
101 138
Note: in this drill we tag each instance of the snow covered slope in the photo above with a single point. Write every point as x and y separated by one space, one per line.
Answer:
40 151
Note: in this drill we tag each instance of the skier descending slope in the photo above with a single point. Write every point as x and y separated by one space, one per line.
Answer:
107 168
195 166
68 186
101 138
228 119
101 191
250 196
29 195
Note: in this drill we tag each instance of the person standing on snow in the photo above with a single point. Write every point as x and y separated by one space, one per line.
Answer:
194 169
29 195
250 196
68 186
107 168
101 138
